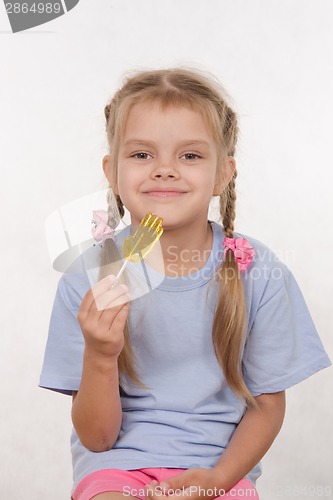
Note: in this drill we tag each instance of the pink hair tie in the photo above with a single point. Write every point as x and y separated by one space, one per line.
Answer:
242 250
102 231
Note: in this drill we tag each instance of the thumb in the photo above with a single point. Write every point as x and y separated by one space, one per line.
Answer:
178 482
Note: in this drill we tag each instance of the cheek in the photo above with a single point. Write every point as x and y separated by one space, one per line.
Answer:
128 181
208 182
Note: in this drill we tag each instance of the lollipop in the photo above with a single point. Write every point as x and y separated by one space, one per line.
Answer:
138 245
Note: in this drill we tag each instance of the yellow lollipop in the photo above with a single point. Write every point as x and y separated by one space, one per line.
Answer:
138 245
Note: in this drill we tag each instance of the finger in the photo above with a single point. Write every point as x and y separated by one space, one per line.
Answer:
181 480
104 284
111 298
184 492
95 294
115 316
148 492
152 492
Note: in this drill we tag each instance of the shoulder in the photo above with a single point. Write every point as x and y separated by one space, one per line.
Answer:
266 275
264 258
268 282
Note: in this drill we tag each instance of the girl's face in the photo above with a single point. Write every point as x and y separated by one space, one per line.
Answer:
167 165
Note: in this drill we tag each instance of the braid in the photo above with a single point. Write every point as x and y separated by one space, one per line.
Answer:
107 113
120 206
228 197
228 207
230 130
229 324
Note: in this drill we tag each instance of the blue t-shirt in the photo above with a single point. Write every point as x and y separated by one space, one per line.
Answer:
186 415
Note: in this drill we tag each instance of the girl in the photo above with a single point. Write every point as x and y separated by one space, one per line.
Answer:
179 392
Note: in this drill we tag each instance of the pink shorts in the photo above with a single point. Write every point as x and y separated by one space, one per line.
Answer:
132 482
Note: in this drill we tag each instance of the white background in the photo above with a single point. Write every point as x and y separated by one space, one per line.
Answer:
275 59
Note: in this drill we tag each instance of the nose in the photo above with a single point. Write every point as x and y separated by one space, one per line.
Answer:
165 170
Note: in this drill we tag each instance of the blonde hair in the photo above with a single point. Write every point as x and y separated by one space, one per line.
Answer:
195 90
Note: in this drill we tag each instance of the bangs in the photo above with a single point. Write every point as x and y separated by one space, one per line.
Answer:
169 98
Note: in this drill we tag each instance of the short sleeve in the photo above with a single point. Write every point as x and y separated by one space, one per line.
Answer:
62 366
283 346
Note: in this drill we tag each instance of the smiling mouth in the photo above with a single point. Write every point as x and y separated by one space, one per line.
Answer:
164 194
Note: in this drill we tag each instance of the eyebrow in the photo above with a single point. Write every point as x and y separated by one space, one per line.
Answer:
190 142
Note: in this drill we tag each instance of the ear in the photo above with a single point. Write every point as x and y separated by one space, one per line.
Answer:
224 175
109 172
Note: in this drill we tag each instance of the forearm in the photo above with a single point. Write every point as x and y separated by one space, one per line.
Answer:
96 410
251 440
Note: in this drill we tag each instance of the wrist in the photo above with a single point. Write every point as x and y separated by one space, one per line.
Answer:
100 362
220 479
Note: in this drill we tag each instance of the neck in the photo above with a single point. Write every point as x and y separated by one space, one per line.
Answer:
186 250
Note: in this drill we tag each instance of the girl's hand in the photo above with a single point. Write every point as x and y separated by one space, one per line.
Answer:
192 483
102 316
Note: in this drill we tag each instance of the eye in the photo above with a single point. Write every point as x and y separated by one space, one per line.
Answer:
191 156
140 156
